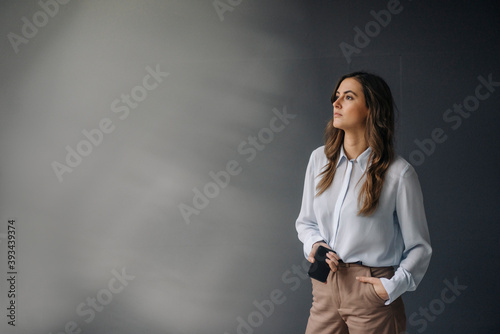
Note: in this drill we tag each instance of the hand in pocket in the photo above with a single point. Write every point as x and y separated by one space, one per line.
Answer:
377 285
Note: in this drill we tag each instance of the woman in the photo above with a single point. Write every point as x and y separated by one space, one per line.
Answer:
365 203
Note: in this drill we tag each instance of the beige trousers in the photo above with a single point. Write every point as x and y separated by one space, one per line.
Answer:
344 305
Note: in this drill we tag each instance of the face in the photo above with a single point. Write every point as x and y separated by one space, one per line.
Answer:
349 109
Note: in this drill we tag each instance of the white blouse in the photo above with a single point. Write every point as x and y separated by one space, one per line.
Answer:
396 234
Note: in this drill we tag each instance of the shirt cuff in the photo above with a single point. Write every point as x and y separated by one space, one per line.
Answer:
397 285
309 243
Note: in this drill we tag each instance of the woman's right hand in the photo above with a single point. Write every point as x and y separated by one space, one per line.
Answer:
332 257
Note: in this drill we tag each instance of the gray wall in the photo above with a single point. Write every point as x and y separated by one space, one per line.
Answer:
235 257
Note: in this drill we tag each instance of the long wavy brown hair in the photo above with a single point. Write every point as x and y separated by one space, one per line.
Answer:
379 135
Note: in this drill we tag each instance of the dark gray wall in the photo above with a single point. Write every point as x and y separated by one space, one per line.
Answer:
229 75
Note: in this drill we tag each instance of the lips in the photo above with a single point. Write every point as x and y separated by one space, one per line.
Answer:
337 114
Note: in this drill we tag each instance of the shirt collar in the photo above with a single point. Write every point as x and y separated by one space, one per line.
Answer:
362 159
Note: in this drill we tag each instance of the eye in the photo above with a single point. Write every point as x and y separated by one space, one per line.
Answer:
349 97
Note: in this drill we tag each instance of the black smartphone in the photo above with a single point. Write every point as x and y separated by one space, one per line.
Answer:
319 270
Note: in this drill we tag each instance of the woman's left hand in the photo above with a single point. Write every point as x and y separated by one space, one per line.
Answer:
377 285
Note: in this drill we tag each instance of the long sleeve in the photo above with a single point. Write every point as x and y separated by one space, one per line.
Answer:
307 224
413 224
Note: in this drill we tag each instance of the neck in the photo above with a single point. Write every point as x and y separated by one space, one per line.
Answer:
354 144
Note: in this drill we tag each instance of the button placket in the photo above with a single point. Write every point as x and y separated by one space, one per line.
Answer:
341 198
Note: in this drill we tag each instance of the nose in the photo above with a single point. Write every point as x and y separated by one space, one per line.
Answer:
336 104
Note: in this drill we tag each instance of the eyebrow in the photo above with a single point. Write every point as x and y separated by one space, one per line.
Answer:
347 91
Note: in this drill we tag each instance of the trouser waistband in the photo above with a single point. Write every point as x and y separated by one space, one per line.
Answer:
351 264
357 264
